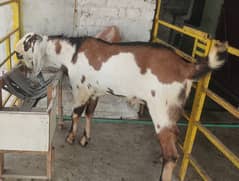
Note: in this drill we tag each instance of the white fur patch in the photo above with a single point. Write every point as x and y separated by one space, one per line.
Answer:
214 62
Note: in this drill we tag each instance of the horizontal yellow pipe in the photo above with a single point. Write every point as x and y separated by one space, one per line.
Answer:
179 52
6 59
222 102
199 169
202 46
8 35
233 51
196 32
7 2
199 53
181 30
218 144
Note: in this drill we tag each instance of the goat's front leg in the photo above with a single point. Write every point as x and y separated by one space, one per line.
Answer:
90 108
74 124
81 96
167 139
164 117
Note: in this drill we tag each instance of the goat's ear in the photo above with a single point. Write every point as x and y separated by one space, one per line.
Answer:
37 37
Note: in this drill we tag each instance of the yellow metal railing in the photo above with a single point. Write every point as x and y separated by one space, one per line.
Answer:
201 47
15 33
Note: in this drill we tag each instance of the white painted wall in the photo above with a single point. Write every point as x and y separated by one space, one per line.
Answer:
134 18
5 27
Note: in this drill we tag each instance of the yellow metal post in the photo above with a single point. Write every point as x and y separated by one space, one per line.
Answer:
8 52
198 103
16 23
192 128
156 20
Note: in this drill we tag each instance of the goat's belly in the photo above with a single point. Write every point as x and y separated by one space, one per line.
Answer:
120 74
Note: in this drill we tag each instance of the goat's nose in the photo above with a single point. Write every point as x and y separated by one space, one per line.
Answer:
19 56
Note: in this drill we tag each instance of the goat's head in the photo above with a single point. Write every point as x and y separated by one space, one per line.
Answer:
29 51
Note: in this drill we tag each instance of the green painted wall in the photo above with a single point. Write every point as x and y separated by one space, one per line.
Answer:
211 15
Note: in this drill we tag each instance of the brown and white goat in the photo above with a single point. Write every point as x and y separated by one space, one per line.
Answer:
150 72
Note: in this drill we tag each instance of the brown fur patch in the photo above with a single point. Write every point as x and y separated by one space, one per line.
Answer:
163 62
58 47
153 93
167 138
174 112
74 58
91 105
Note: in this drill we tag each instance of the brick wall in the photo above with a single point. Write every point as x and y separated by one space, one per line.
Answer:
134 18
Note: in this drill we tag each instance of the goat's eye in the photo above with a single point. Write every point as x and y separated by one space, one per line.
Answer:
19 56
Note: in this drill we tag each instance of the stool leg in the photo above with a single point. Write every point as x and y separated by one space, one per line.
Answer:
1 165
60 107
50 155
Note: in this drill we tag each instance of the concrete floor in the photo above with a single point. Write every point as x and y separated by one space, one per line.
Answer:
122 152
125 152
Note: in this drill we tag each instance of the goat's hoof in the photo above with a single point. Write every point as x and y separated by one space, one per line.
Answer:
84 141
70 139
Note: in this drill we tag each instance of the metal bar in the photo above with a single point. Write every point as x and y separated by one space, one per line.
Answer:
6 59
198 103
20 18
7 2
16 23
8 35
8 53
156 19
181 30
179 52
196 32
202 46
194 47
222 102
201 54
149 122
219 145
199 169
233 51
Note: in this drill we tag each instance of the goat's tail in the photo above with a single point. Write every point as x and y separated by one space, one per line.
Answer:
215 60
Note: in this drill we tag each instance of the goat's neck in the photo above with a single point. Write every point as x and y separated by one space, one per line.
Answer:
59 54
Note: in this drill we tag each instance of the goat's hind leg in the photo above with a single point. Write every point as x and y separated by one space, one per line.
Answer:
90 108
74 124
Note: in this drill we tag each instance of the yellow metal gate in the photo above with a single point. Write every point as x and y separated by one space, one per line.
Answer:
15 33
202 44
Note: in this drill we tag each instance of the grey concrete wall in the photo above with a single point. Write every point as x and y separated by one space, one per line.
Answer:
134 18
